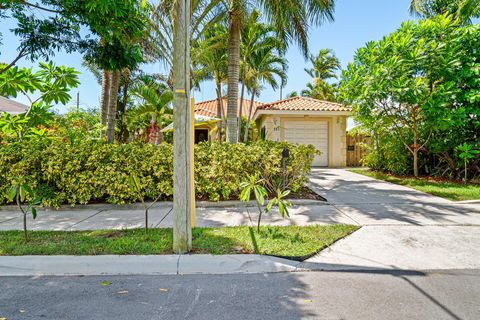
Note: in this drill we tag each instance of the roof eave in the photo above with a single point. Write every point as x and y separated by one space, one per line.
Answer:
301 112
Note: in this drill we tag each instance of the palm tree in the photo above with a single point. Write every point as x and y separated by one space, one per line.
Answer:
257 37
463 10
320 90
324 65
264 67
154 101
209 59
291 19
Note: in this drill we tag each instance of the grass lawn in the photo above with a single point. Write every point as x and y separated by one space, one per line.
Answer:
446 189
292 241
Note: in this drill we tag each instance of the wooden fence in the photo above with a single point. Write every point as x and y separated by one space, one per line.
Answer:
355 150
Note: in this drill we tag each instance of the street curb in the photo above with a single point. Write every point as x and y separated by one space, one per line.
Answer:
143 265
163 204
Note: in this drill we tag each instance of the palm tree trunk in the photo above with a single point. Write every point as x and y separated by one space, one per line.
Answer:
219 109
126 82
233 75
240 111
105 97
247 127
112 109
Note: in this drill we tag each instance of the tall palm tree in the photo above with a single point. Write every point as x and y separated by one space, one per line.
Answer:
209 59
265 66
463 10
324 65
257 37
291 19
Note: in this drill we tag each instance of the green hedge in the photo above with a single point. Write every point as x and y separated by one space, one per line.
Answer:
93 171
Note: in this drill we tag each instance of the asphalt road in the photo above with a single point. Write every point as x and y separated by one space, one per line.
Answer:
311 295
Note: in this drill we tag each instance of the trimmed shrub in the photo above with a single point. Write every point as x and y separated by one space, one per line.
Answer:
93 171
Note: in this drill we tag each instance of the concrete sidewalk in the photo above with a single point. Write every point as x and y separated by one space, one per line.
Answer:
160 216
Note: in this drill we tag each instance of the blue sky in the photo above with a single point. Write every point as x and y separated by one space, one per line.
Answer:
356 22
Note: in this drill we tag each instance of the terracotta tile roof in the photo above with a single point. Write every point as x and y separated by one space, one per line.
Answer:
304 104
209 108
11 106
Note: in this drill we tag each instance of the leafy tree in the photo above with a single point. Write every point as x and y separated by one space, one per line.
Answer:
411 82
50 84
26 199
466 153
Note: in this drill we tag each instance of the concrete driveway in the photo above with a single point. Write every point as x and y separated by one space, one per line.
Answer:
401 228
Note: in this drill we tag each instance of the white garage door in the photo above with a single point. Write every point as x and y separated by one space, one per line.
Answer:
310 132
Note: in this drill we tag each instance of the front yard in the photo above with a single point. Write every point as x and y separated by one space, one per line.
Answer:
446 189
291 241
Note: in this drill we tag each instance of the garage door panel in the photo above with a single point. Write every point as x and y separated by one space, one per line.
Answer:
309 132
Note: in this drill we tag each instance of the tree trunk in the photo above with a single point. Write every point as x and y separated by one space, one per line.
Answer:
247 127
415 163
219 109
112 108
240 109
415 147
105 97
126 82
183 199
152 135
233 74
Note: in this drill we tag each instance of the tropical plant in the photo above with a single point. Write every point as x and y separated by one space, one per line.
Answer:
26 199
325 66
136 186
290 20
467 152
153 101
50 84
417 83
209 58
262 61
255 185
463 10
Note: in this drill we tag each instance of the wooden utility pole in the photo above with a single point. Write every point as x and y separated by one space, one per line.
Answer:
183 199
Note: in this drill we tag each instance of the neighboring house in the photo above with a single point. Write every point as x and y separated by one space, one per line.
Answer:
308 121
11 107
207 110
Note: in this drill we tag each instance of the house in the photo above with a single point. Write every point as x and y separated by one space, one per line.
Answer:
206 130
298 120
307 121
11 107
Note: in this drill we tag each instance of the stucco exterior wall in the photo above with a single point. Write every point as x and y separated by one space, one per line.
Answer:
337 132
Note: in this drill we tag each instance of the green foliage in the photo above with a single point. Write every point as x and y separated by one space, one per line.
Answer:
466 153
75 126
50 84
418 86
26 199
93 171
255 186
